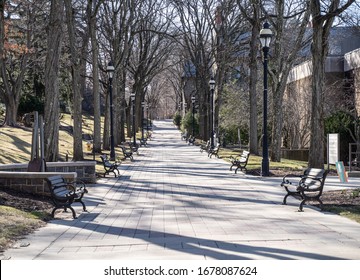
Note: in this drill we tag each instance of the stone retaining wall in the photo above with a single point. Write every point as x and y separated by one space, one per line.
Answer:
15 176
85 169
31 182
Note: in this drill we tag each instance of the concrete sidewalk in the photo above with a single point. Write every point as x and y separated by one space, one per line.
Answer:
173 202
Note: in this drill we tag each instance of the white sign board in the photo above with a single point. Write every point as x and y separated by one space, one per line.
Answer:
333 148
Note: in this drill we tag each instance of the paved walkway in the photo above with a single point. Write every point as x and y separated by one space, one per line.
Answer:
173 202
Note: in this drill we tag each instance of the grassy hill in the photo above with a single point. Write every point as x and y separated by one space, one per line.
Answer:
16 142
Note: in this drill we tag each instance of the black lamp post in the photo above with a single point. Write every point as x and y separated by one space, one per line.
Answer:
265 39
212 88
132 97
193 115
110 70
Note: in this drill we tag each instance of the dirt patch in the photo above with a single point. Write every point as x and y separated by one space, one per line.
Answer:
24 201
348 197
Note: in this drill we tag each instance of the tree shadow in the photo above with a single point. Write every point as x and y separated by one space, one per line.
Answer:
209 248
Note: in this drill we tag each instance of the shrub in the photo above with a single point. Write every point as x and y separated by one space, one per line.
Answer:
187 124
30 103
177 119
230 135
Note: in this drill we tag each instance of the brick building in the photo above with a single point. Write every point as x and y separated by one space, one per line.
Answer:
342 87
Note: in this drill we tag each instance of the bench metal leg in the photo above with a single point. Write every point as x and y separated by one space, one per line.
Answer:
285 197
65 210
320 202
53 212
108 173
73 212
303 202
302 205
83 205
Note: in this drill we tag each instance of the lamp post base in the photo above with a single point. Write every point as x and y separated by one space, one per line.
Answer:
265 167
112 151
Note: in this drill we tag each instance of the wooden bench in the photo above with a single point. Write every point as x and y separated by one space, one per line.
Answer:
143 141
240 161
184 136
308 186
134 147
110 167
127 153
205 147
214 151
64 194
148 135
191 140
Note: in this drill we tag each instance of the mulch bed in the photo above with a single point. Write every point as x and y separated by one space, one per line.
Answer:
25 201
348 197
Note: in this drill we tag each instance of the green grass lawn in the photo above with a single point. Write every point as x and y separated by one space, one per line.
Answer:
254 162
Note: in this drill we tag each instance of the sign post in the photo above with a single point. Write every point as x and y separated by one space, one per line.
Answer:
341 172
333 147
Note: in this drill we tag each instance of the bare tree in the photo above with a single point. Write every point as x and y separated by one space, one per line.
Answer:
92 19
51 116
251 11
290 23
75 66
195 37
323 15
228 25
16 39
118 20
152 47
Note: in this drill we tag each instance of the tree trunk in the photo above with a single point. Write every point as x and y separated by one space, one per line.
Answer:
12 83
96 86
51 116
251 12
2 63
322 23
203 110
75 84
116 109
106 133
316 155
281 65
253 124
122 107
128 119
11 110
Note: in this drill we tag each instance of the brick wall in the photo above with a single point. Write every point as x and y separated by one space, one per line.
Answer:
14 176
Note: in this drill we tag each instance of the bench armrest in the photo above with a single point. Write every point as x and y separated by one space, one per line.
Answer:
314 185
79 186
234 157
287 176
